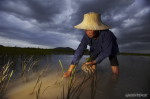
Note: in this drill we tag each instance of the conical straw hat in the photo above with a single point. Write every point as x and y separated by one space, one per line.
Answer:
92 21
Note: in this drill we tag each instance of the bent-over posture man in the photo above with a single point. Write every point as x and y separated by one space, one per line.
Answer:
102 43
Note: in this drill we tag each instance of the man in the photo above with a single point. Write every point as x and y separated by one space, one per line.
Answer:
102 43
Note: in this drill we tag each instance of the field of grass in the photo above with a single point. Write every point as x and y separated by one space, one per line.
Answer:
33 51
39 51
135 54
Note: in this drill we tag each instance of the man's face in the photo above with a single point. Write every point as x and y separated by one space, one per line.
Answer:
92 33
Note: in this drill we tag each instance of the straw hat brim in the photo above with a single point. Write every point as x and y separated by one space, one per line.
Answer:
82 26
92 21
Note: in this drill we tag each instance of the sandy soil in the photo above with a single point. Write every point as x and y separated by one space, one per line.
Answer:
19 90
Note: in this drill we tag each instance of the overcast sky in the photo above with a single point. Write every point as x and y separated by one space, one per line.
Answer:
50 23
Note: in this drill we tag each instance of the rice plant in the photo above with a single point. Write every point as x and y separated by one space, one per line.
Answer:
38 92
76 91
71 90
94 85
29 69
5 78
57 74
63 73
24 65
38 79
45 90
26 68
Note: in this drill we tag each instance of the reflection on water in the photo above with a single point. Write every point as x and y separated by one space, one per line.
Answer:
134 77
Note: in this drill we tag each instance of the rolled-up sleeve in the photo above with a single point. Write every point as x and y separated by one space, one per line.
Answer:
106 47
80 50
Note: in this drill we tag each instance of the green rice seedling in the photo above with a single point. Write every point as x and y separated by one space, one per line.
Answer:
38 92
38 79
62 94
57 74
23 70
38 96
94 85
71 90
44 91
72 73
4 73
77 91
45 69
36 64
58 71
24 65
29 59
29 68
9 79
61 78
26 71
63 73
61 66
5 78
60 83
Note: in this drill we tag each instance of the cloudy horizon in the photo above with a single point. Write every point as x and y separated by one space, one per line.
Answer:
50 23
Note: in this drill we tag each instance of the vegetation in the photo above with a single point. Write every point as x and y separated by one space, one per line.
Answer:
33 51
5 76
135 54
74 92
7 71
40 51
31 57
38 79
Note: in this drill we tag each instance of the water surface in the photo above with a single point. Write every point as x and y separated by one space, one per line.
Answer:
133 78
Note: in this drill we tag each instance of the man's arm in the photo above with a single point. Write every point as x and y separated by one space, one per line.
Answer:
80 50
78 54
106 46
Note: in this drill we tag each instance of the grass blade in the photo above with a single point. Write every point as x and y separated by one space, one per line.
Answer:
9 79
61 66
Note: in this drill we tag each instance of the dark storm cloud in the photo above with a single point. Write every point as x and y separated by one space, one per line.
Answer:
51 22
40 10
26 10
108 9
104 7
122 16
43 11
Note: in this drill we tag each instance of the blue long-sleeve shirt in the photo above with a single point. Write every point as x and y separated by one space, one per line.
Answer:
101 48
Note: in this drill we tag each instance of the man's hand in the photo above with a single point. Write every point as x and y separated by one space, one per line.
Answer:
68 73
91 63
